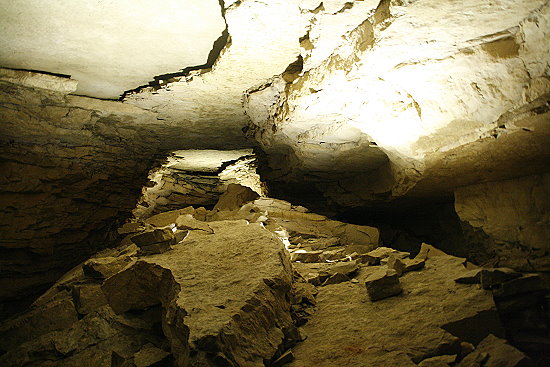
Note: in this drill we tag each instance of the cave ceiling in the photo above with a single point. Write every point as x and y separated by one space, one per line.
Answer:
366 99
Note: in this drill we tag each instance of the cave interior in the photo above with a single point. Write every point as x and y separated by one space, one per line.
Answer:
292 182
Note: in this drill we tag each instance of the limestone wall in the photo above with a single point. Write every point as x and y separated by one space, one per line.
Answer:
511 211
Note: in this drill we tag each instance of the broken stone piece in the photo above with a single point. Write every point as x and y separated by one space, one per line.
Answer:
154 242
149 355
167 218
127 228
526 284
383 283
373 257
187 222
306 257
235 196
427 251
438 361
336 278
396 264
88 298
471 277
492 277
285 358
414 264
303 293
313 278
57 314
104 267
345 268
493 351
403 265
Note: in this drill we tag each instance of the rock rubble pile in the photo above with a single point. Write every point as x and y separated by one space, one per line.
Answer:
261 282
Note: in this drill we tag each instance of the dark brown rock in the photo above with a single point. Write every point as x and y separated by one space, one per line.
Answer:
495 352
285 358
525 284
104 267
88 297
493 277
154 242
375 256
56 314
472 277
149 355
382 284
336 278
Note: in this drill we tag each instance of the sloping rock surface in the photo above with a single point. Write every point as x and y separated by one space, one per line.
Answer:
348 329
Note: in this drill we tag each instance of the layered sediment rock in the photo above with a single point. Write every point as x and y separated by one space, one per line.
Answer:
463 100
223 291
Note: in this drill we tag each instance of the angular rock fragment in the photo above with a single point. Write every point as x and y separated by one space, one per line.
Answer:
149 355
395 263
382 284
493 277
235 196
229 289
154 242
56 314
525 284
375 256
285 358
128 228
413 264
303 293
187 222
88 297
471 277
438 361
493 351
336 278
427 250
346 268
166 218
104 267
307 257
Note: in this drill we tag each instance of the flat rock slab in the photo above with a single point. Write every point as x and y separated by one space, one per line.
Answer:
232 285
350 330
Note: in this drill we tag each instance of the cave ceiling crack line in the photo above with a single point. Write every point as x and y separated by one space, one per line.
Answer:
164 80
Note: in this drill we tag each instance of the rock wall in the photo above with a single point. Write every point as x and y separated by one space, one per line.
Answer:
512 212
72 168
391 116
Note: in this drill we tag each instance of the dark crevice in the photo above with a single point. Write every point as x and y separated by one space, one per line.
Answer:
164 79
41 72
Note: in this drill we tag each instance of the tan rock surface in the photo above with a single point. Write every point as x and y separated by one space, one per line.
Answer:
349 330
231 285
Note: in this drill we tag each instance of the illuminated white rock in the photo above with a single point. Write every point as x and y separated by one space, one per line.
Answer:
418 79
108 46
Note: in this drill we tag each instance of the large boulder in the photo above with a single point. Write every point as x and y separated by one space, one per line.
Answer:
231 286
